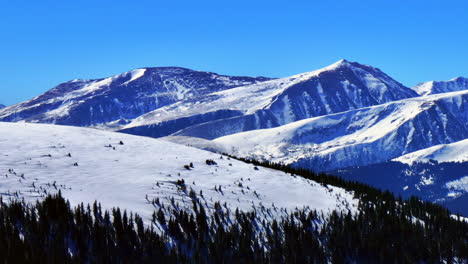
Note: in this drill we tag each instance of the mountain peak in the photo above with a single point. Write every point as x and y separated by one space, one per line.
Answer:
332 67
114 100
338 64
342 61
436 87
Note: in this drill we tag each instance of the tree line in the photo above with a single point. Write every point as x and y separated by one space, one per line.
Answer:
385 229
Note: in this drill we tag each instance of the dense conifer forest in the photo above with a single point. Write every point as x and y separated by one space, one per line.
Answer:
387 229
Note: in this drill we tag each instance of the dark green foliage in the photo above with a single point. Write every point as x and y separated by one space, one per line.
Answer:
211 162
52 232
385 230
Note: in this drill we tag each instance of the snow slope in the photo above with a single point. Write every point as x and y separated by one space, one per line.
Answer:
440 182
359 137
199 143
114 101
339 87
39 159
436 87
453 152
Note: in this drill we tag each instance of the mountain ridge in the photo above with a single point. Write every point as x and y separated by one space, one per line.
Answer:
336 88
350 138
343 115
435 87
114 100
452 152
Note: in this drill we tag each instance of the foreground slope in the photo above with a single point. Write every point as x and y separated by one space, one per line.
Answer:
88 165
359 137
339 87
114 101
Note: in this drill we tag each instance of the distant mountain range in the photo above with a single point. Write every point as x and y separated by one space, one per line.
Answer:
346 118
359 137
436 87
339 87
115 101
2 106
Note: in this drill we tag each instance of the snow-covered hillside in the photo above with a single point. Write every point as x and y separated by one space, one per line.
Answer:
454 152
359 137
339 87
439 182
114 101
130 171
436 87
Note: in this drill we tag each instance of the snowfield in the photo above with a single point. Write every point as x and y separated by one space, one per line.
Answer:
454 152
130 171
359 137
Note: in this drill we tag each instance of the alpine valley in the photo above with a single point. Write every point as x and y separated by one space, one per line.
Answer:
285 169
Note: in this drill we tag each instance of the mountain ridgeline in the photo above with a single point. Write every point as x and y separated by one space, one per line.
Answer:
337 88
346 115
114 101
436 87
290 175
359 137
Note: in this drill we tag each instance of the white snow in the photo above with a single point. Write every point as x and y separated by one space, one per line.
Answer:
454 152
339 135
436 87
137 73
424 88
459 185
96 85
34 160
323 99
247 99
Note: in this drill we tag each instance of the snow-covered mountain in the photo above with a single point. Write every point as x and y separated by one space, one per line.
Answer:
2 106
339 87
343 116
453 152
438 174
359 137
114 101
129 172
444 183
436 87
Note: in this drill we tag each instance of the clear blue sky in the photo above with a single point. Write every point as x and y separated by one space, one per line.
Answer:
44 43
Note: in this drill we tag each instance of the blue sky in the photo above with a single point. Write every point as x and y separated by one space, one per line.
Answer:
44 43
